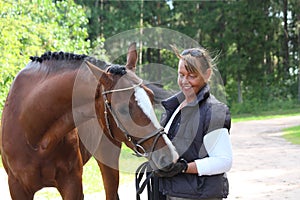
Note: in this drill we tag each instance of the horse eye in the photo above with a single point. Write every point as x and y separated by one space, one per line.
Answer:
123 110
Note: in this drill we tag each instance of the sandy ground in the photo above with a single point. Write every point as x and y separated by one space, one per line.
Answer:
265 167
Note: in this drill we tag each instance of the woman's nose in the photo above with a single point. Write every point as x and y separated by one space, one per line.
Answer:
184 79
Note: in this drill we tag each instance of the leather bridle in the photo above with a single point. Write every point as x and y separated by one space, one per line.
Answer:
137 144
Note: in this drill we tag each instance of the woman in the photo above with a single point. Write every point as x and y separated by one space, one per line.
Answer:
198 125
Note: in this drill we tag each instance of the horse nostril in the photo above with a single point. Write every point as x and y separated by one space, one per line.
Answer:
161 159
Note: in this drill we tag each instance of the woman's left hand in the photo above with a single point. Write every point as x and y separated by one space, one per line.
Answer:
178 168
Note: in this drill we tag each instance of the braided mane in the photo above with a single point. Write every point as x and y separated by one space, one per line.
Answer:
51 60
57 56
65 56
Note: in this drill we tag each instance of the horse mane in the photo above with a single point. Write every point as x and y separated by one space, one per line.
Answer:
52 60
57 56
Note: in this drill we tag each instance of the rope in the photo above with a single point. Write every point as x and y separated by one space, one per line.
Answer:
152 189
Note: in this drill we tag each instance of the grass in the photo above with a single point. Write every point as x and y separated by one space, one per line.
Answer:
266 115
292 134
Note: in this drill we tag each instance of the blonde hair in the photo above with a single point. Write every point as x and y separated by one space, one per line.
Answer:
196 64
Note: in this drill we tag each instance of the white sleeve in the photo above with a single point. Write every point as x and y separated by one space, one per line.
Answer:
218 146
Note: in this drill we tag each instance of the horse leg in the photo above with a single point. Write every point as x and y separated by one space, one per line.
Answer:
107 156
85 154
69 176
17 191
70 187
110 178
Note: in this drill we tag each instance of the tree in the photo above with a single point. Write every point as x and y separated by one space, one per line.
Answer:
29 28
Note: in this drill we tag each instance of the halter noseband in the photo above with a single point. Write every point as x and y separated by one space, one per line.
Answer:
138 148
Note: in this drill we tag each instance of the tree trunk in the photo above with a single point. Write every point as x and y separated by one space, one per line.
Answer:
286 40
298 26
299 81
240 95
141 33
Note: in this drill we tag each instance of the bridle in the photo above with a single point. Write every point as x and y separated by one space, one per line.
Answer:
137 144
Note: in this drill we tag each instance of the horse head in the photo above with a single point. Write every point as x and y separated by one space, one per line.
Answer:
125 107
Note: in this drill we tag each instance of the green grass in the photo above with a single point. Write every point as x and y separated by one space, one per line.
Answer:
266 115
292 134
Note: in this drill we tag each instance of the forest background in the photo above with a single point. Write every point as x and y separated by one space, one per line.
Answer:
257 42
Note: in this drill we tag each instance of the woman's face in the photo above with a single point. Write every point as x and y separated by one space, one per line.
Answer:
189 83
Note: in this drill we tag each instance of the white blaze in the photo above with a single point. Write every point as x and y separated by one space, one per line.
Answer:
145 104
172 148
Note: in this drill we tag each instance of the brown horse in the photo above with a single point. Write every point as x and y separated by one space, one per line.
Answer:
50 100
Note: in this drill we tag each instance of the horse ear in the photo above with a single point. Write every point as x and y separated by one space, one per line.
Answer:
94 69
99 74
131 57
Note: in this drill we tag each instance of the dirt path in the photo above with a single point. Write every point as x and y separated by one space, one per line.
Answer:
265 167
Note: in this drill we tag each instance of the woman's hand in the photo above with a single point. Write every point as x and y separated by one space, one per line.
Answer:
178 168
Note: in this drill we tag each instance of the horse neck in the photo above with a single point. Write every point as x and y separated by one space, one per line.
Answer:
51 92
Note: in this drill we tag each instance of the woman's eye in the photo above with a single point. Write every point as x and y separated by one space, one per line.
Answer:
192 76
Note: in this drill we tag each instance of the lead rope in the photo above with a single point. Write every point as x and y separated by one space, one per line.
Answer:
144 170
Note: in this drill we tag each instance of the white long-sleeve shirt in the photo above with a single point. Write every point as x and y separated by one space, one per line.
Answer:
218 146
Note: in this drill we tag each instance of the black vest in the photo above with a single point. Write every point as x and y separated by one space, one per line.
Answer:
188 128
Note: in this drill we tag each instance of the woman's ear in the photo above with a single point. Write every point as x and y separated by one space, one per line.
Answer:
207 75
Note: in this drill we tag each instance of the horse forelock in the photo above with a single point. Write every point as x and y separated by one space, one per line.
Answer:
122 71
117 69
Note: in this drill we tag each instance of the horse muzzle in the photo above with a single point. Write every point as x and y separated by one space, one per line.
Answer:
164 157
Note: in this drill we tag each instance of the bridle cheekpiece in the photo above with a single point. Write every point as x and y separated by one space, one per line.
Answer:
138 148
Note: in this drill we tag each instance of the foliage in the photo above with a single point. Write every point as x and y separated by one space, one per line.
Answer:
257 42
108 18
30 28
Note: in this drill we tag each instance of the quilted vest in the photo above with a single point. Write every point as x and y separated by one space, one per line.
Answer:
188 128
